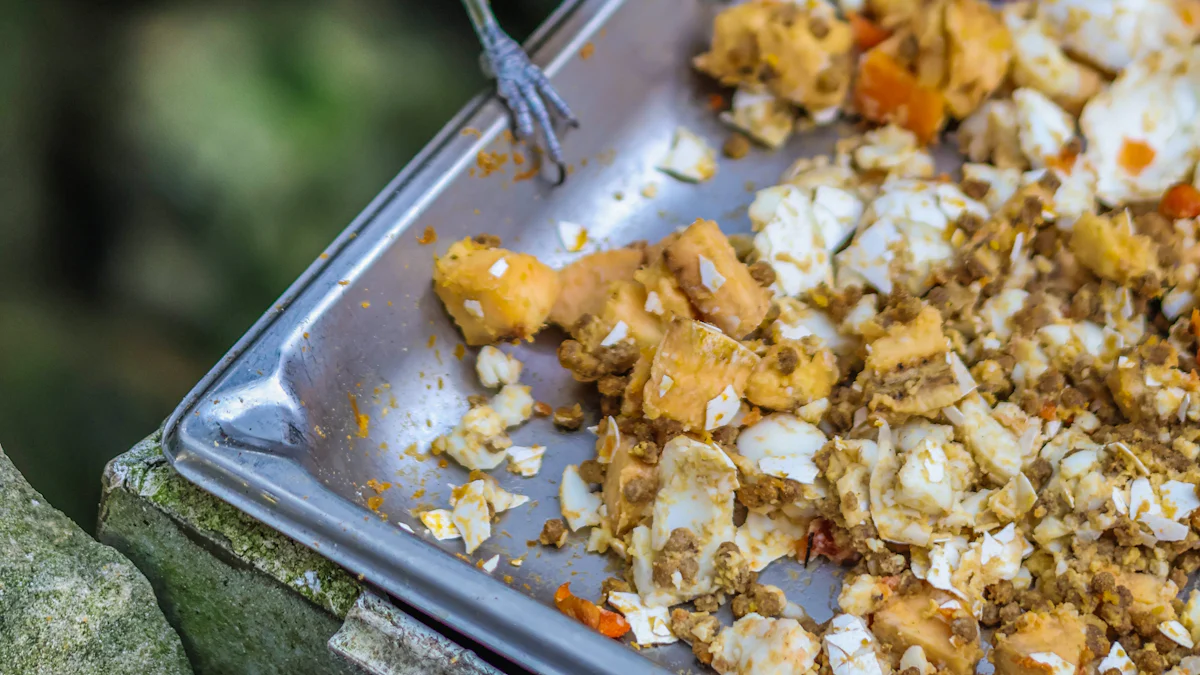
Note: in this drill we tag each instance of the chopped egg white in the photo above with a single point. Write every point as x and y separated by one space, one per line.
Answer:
490 564
1141 131
440 523
895 151
1043 127
763 539
761 117
782 445
710 278
473 308
495 368
1052 663
471 515
525 461
573 236
498 268
580 506
513 404
650 625
1117 659
1112 34
757 645
791 240
690 158
618 333
850 647
1176 633
721 410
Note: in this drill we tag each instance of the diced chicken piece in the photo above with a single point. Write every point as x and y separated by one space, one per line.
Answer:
631 403
664 297
1152 596
719 285
756 645
801 52
487 307
1061 633
917 340
963 50
792 374
1039 63
934 621
991 134
1043 127
626 304
584 283
693 365
692 517
1111 35
629 489
1107 246
761 116
1140 130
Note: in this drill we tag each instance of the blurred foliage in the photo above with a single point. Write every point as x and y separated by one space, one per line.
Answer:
166 170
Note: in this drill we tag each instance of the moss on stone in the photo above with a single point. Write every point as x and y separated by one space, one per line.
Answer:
69 604
243 597
144 471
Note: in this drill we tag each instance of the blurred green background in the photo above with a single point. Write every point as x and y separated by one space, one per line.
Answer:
167 169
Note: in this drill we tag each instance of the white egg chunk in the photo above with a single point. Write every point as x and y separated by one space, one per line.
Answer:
573 236
837 213
997 312
924 479
1002 183
994 447
696 489
894 151
1039 63
580 507
797 321
990 134
1178 499
495 368
690 158
1142 131
478 441
1113 33
1190 616
650 625
1043 127
791 240
1117 659
782 445
757 645
441 524
514 404
501 500
763 539
722 409
525 461
761 116
1176 633
914 657
471 515
850 647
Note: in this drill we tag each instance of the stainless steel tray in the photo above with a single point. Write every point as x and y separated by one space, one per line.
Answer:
271 429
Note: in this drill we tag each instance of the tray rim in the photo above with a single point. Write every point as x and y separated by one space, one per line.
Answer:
233 480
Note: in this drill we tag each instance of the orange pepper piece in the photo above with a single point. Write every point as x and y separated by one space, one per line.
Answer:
1180 201
586 612
886 92
866 33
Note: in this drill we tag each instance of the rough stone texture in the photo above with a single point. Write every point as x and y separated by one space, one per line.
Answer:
382 640
69 604
244 598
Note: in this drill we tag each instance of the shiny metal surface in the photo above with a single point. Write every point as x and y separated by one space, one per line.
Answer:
271 428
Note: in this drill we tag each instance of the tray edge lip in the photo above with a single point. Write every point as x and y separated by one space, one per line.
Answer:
218 478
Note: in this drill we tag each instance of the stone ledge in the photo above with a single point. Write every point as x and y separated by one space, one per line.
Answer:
69 604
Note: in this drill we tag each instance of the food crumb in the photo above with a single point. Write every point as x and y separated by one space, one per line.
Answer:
471 131
459 351
374 503
736 146
587 51
361 419
365 304
650 190
490 162
429 236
